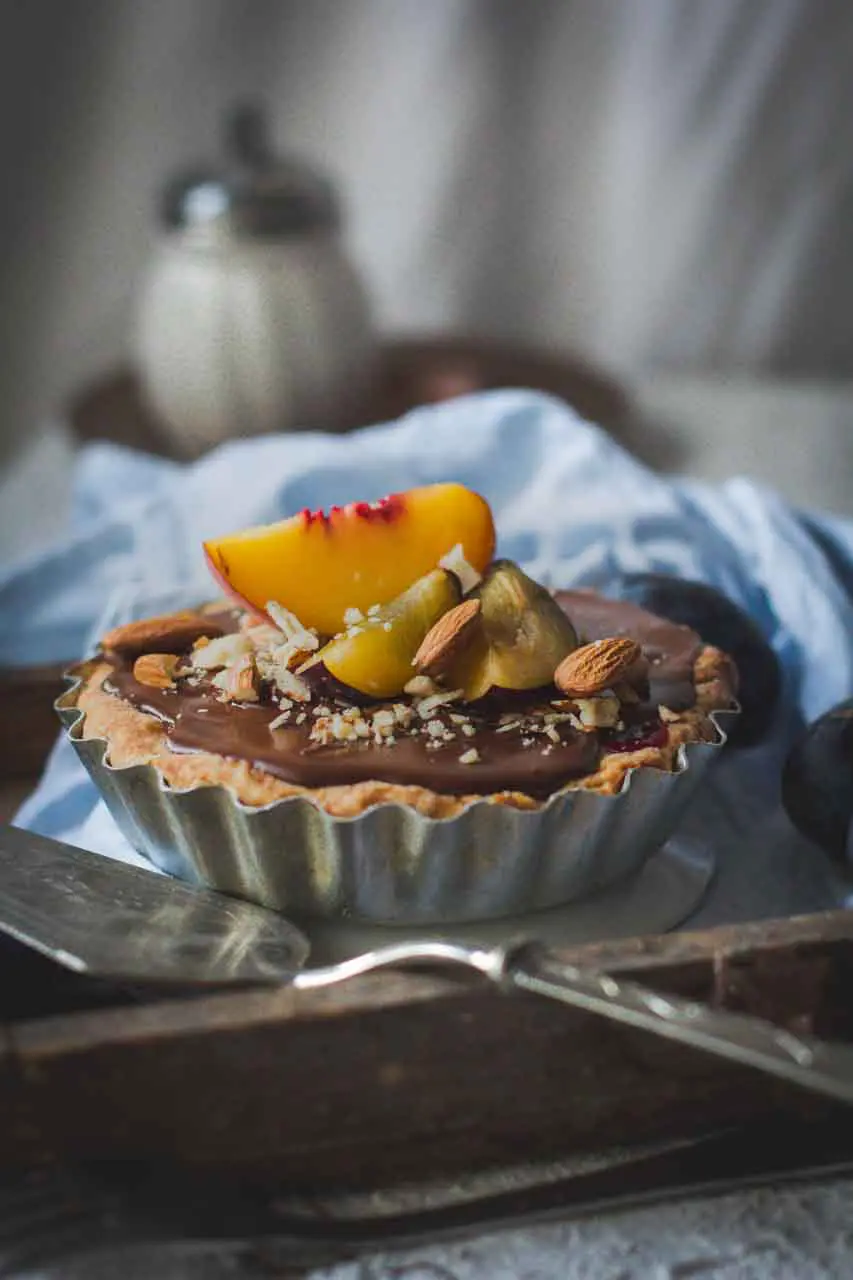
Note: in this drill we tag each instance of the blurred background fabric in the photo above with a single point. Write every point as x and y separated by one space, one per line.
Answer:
658 186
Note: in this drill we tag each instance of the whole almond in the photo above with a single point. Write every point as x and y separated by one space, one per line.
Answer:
597 666
164 634
447 639
156 670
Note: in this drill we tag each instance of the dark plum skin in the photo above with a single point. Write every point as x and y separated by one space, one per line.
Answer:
723 624
817 781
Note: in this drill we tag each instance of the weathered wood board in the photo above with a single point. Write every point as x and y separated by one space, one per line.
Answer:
412 1074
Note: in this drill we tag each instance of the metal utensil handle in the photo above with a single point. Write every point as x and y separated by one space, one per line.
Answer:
820 1066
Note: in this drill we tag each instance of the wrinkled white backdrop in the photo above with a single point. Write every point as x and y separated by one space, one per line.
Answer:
656 184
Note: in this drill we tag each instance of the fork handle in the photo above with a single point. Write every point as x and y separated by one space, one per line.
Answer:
817 1065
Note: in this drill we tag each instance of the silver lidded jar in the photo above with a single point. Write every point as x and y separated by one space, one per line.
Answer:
251 318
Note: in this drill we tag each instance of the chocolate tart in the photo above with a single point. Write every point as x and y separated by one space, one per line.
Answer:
391 812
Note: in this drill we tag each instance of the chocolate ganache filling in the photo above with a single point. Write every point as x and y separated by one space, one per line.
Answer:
514 758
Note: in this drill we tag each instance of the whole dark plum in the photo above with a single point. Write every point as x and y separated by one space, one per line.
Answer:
722 623
817 780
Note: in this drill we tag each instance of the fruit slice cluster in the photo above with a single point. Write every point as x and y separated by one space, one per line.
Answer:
507 634
318 565
369 576
519 637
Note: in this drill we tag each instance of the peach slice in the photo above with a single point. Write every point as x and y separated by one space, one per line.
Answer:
319 565
375 654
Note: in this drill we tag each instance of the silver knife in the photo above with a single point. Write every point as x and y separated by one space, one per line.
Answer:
98 916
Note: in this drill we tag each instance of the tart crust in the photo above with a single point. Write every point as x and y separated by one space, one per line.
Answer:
135 737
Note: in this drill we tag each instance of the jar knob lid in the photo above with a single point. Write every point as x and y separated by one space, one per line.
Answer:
252 192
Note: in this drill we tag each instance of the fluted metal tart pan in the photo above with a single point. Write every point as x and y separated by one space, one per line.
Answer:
390 863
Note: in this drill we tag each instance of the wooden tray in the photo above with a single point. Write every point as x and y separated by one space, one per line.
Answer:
397 1076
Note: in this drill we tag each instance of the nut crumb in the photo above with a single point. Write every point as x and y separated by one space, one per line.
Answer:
220 652
471 756
292 686
156 670
427 705
454 561
421 687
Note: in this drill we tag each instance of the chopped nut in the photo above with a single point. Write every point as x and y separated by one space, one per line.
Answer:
403 715
239 681
668 715
456 563
471 756
279 720
221 652
468 730
383 721
510 724
321 731
421 687
291 628
156 670
426 706
262 636
352 616
343 730
285 703
434 728
373 610
598 713
292 686
551 732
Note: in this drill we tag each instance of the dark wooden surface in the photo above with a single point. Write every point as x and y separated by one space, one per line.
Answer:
406 1075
